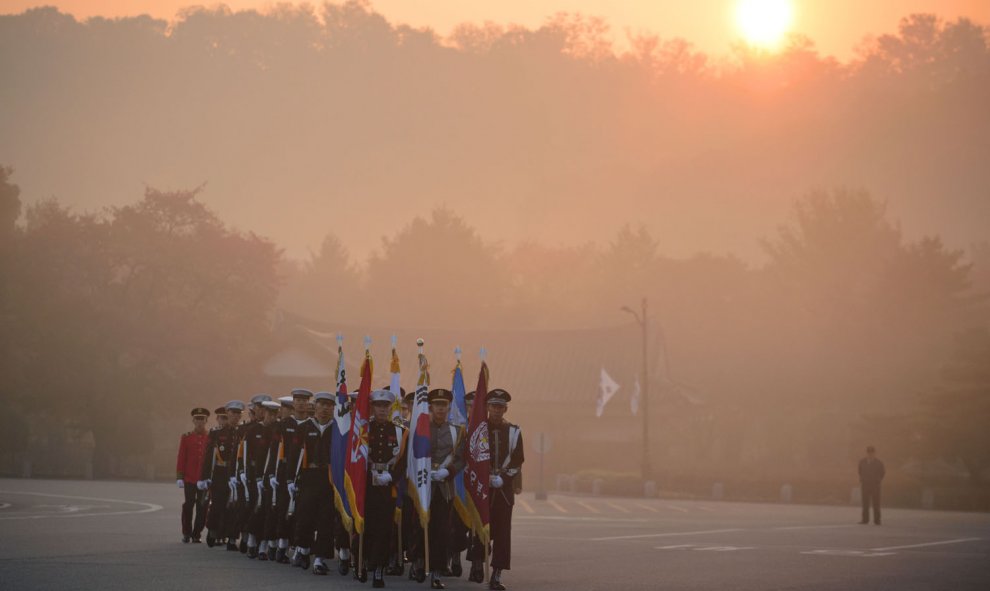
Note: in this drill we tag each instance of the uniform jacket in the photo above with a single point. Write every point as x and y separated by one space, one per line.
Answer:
290 447
506 457
447 449
386 446
257 445
219 449
317 440
192 448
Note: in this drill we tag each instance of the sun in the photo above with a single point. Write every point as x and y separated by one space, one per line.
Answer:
763 23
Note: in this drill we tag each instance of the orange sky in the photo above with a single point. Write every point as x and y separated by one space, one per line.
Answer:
835 25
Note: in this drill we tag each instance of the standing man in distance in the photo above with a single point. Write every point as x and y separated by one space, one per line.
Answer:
871 473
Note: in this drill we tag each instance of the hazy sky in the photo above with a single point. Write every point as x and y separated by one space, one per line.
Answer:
836 25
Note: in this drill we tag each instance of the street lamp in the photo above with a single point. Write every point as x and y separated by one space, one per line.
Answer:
643 321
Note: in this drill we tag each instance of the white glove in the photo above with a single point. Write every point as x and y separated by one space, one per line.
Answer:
439 475
495 481
233 481
293 488
181 483
381 478
274 482
244 479
201 484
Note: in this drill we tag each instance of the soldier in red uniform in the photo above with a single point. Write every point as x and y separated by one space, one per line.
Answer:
188 465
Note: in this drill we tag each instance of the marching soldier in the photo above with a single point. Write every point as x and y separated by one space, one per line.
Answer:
216 469
254 451
277 493
235 501
447 460
460 532
315 510
221 416
386 464
506 447
287 469
188 467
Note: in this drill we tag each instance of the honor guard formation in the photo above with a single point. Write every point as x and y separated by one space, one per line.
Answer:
368 481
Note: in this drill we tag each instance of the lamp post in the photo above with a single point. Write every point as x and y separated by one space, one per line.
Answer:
643 321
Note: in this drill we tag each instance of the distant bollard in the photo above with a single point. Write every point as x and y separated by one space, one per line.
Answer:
856 496
26 468
649 489
596 486
718 491
786 493
928 498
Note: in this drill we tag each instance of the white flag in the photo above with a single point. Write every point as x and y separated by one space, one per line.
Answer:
606 390
634 401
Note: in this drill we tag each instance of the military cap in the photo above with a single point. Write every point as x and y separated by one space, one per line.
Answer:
302 393
271 404
469 397
352 395
234 405
286 401
410 397
401 394
200 412
499 396
258 399
325 396
438 394
221 411
383 396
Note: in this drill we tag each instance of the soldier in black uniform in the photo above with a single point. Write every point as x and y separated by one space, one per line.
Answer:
255 449
386 464
289 457
218 469
871 473
277 490
247 491
506 447
447 460
235 502
460 532
315 511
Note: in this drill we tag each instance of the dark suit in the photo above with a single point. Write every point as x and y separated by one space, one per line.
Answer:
871 473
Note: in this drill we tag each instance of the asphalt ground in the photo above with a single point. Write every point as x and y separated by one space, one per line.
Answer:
125 535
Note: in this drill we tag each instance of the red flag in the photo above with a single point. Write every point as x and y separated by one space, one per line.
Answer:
479 459
355 480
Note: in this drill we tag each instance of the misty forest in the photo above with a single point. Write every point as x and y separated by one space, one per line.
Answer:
180 200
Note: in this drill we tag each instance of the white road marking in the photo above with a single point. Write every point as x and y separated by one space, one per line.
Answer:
148 507
675 547
859 553
617 507
795 527
4 505
647 507
588 507
724 548
959 541
667 534
704 508
526 506
556 505
676 508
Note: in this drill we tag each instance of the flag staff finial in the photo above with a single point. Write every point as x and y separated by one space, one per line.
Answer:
484 353
340 339
367 341
457 353
395 340
419 343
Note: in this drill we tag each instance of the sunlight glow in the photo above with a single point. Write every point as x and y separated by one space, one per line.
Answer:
764 23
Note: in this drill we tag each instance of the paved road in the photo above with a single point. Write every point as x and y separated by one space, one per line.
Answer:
125 535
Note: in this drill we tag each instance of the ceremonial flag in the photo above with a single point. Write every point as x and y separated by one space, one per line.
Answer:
339 431
479 459
356 476
458 418
419 460
395 386
606 390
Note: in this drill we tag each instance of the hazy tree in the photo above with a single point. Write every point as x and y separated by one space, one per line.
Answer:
325 287
957 414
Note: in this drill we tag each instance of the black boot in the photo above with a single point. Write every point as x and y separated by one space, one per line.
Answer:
252 552
320 569
477 572
244 547
185 539
272 549
343 566
378 578
455 566
435 582
495 584
280 556
231 546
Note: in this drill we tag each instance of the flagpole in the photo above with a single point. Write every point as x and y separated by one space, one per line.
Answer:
426 547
